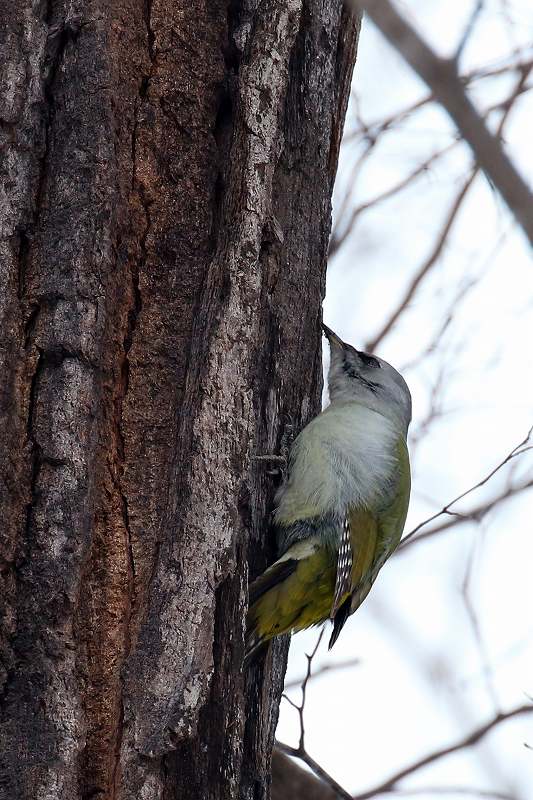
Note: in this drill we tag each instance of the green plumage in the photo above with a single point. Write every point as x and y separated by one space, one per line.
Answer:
301 596
341 510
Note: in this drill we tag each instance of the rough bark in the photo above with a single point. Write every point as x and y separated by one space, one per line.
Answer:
166 177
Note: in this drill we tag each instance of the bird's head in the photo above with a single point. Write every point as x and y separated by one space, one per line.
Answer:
355 376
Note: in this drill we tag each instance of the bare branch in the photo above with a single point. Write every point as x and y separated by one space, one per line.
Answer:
519 450
469 29
300 707
319 771
474 515
462 292
518 65
441 240
468 741
290 780
338 239
425 267
389 786
442 78
356 169
371 130
471 611
300 751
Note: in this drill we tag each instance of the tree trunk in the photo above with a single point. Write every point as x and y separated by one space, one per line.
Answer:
167 169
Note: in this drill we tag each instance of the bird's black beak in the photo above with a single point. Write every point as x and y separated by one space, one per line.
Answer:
333 339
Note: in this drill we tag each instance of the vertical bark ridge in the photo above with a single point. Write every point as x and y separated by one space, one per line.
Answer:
22 140
217 430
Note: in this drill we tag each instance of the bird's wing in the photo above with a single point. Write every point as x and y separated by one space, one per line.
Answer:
356 553
354 563
292 594
368 539
273 576
343 579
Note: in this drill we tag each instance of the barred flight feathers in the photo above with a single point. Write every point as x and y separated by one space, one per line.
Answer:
343 580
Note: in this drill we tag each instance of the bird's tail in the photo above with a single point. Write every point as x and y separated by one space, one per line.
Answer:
257 639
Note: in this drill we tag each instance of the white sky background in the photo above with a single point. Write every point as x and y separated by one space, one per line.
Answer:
423 681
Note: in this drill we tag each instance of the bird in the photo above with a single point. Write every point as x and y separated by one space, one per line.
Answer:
341 508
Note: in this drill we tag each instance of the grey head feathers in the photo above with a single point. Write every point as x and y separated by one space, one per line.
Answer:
355 376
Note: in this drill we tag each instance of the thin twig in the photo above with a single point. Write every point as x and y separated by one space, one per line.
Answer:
303 685
472 615
462 292
468 741
425 267
353 662
469 29
474 515
356 169
521 448
373 129
338 238
389 786
300 752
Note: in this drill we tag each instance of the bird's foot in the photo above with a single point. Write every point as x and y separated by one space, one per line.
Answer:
281 460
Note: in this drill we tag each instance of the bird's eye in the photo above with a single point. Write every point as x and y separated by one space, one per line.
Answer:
369 361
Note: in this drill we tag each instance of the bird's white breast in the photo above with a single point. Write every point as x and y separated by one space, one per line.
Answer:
345 457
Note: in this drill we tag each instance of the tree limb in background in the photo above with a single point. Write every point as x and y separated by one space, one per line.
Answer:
442 78
372 130
303 755
389 786
300 751
372 134
450 219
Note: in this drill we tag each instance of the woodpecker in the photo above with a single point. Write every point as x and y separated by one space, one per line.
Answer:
341 509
